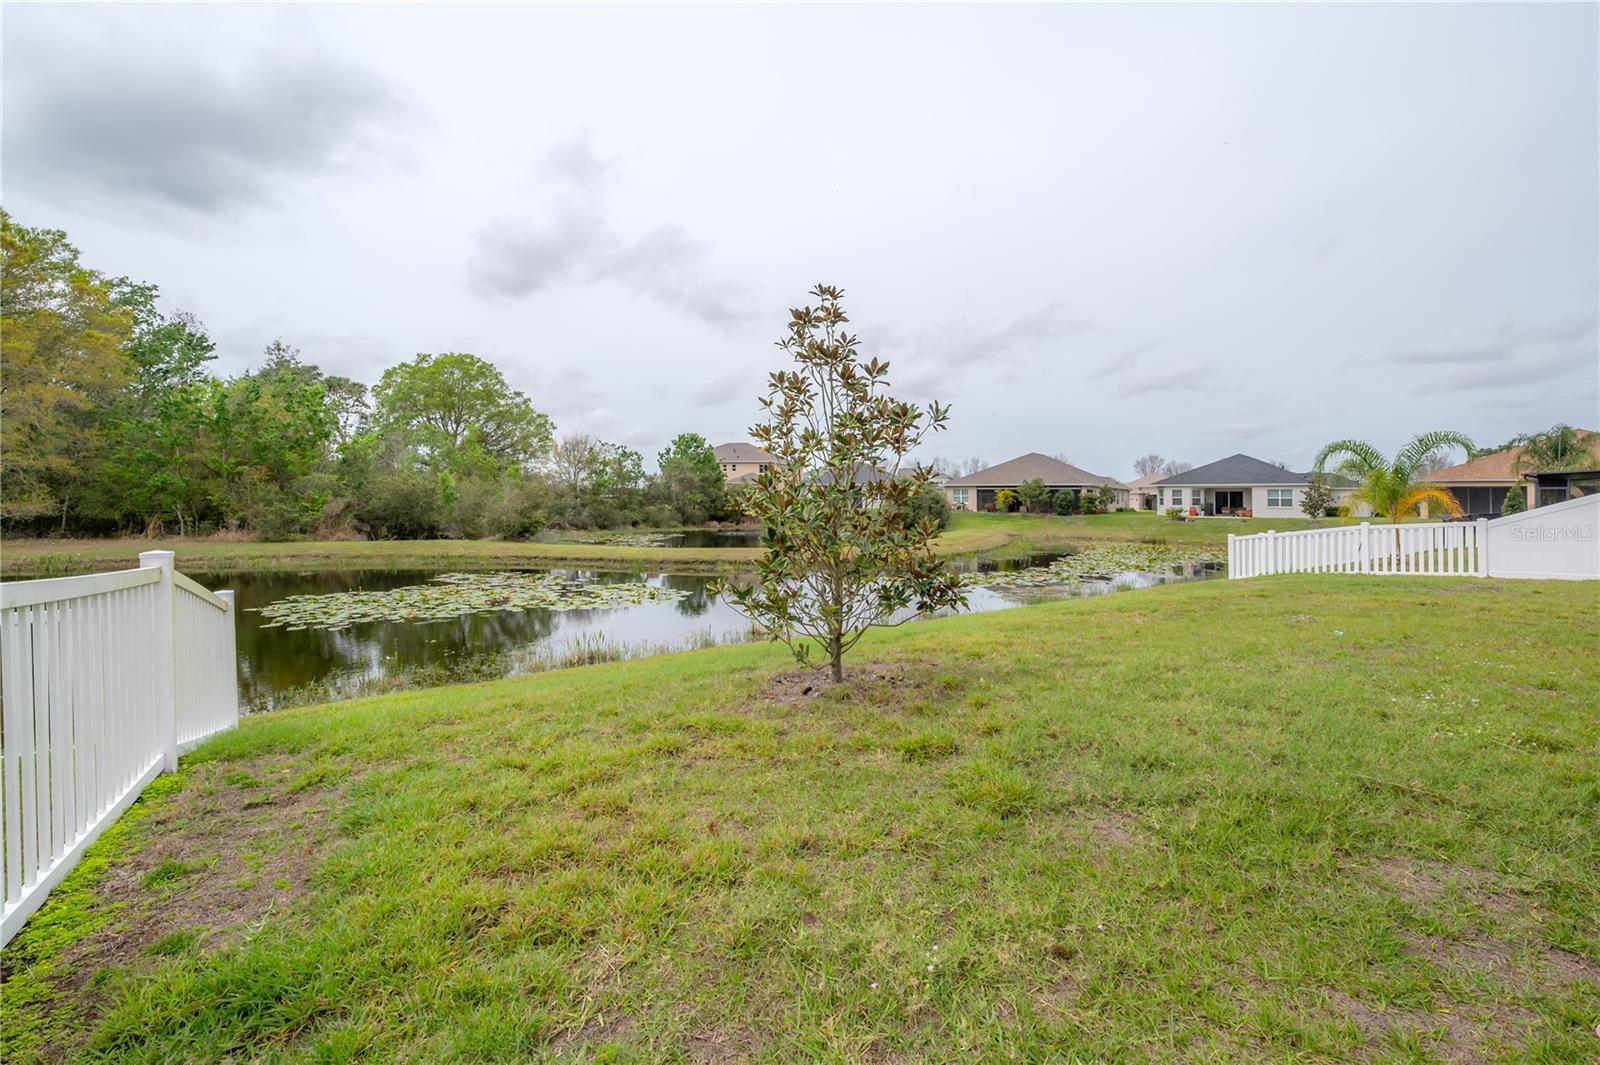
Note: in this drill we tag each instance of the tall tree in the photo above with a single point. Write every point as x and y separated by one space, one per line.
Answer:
1152 464
460 412
62 333
692 479
1394 488
841 555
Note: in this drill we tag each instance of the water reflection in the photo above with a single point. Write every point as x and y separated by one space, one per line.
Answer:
278 665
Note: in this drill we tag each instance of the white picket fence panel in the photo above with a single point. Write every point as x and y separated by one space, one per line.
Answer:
1452 549
104 681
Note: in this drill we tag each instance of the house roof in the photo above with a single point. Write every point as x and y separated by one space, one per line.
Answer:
739 452
1499 466
1146 481
1032 466
1237 469
864 475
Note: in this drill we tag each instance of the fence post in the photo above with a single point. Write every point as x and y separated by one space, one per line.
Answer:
1272 551
165 665
1233 567
1366 547
233 652
1483 546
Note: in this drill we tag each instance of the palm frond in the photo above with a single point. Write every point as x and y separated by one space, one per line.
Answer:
1411 457
1431 494
1357 456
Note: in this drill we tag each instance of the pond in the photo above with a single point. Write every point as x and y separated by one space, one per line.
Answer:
294 650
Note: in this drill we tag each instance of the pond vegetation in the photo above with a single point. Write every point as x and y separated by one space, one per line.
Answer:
1106 563
452 595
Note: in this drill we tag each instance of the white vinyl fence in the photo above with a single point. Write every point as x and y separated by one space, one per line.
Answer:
104 681
1444 548
1559 541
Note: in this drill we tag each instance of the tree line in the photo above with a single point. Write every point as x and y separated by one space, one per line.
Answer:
112 421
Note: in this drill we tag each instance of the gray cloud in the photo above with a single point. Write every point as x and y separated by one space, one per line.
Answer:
94 116
1506 344
1523 371
575 243
517 258
575 160
1180 379
944 354
1124 360
719 392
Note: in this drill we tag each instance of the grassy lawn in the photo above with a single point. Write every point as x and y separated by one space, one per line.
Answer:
1292 819
971 532
968 534
31 558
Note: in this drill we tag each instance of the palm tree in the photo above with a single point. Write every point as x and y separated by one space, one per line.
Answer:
1396 487
1560 447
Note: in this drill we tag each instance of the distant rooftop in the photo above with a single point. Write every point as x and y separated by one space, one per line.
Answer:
1237 469
740 452
1032 466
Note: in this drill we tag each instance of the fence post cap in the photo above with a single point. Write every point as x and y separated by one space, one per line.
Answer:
147 559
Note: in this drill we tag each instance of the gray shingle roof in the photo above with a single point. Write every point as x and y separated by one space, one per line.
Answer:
1053 472
865 475
1237 469
740 453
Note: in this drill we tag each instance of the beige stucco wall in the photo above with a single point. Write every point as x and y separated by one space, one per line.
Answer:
732 470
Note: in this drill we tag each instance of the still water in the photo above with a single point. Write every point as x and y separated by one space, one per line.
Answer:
281 666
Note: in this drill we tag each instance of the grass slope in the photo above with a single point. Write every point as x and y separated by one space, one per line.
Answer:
968 534
1292 819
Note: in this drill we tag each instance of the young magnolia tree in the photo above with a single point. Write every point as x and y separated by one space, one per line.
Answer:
844 551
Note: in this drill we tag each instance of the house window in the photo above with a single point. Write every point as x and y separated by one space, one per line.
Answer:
1161 496
1197 497
1280 497
960 497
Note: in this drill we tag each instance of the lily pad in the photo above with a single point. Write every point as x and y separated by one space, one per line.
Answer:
1104 562
453 595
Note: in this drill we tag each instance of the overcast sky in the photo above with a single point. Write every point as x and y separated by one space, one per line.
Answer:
1096 231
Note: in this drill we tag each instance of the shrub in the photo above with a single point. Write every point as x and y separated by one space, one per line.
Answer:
1005 500
1033 495
660 516
1516 501
402 504
928 504
1064 503
1175 513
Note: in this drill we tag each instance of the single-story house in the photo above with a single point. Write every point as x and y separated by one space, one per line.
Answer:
1142 492
977 491
1480 485
1241 483
741 463
1558 486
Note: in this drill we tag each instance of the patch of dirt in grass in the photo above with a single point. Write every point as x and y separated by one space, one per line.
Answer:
593 1032
1500 959
239 841
1460 1037
1117 828
883 683
712 1046
1424 882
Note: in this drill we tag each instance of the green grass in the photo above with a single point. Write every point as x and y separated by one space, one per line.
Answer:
968 534
979 532
51 558
1291 819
